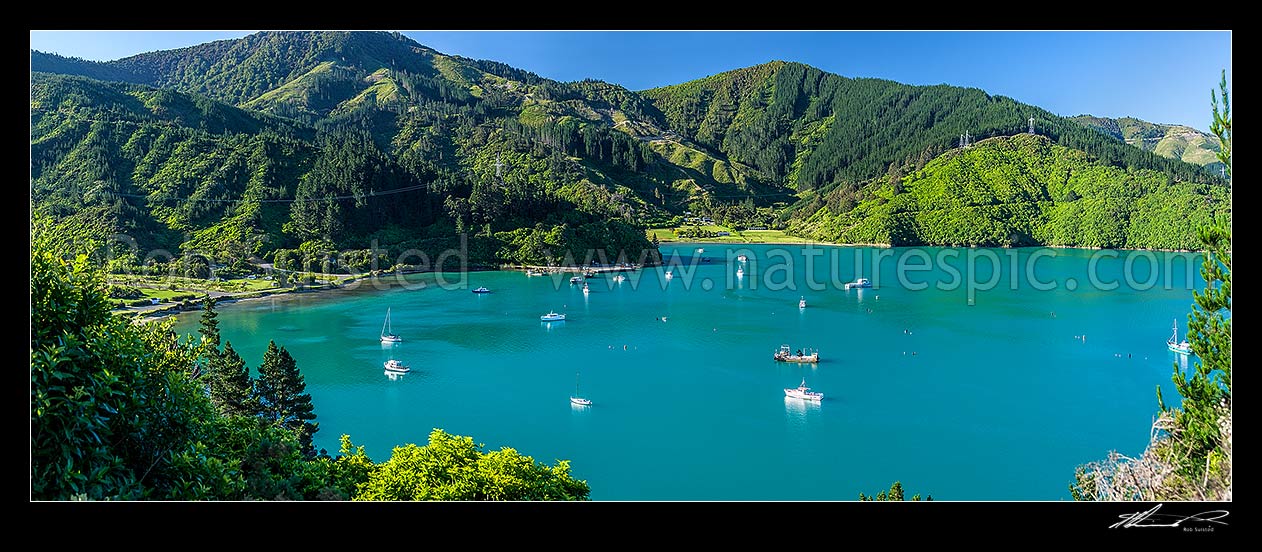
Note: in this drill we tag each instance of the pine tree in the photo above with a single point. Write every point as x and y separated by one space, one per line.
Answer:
231 389
210 323
280 391
1206 388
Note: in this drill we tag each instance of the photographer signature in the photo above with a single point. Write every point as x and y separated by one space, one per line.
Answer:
1151 517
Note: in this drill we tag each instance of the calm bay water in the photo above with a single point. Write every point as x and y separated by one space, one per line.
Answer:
997 400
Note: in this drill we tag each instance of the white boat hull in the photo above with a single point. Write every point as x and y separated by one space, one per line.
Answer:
397 368
580 402
803 395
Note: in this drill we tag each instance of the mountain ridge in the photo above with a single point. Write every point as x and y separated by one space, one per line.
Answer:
757 144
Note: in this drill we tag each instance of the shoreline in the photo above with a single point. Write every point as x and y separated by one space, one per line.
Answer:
888 246
355 282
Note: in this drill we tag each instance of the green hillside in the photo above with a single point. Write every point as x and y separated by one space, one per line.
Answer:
1021 190
287 142
1172 141
811 129
187 174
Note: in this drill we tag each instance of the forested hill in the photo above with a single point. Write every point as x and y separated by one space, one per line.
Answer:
1019 190
1174 141
185 173
808 128
281 142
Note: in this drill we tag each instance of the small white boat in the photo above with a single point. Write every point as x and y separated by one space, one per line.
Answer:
700 250
575 279
577 399
803 392
1181 347
619 278
802 303
669 275
742 258
552 317
534 273
393 365
860 283
586 290
482 290
387 331
740 272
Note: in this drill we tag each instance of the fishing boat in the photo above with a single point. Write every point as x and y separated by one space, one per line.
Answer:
482 289
552 316
578 399
387 331
802 303
393 365
785 354
860 283
803 392
1181 347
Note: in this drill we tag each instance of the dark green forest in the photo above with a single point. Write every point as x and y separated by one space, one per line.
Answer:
305 147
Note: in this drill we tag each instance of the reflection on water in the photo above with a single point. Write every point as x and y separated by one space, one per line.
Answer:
394 376
798 411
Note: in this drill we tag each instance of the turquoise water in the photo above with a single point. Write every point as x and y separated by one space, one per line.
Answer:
995 400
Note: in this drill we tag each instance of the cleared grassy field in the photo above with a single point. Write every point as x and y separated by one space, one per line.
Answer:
747 236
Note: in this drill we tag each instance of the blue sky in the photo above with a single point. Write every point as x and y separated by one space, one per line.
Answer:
1162 77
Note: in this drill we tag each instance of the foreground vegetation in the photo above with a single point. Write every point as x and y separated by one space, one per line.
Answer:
1189 455
133 412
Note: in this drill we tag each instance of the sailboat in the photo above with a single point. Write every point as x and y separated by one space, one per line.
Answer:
387 332
1181 347
576 399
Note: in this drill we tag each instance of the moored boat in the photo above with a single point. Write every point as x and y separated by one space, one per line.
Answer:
393 365
860 283
552 316
785 354
1181 347
803 392
387 331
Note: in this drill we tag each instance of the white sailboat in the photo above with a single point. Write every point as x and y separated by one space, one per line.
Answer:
1181 347
387 331
576 399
